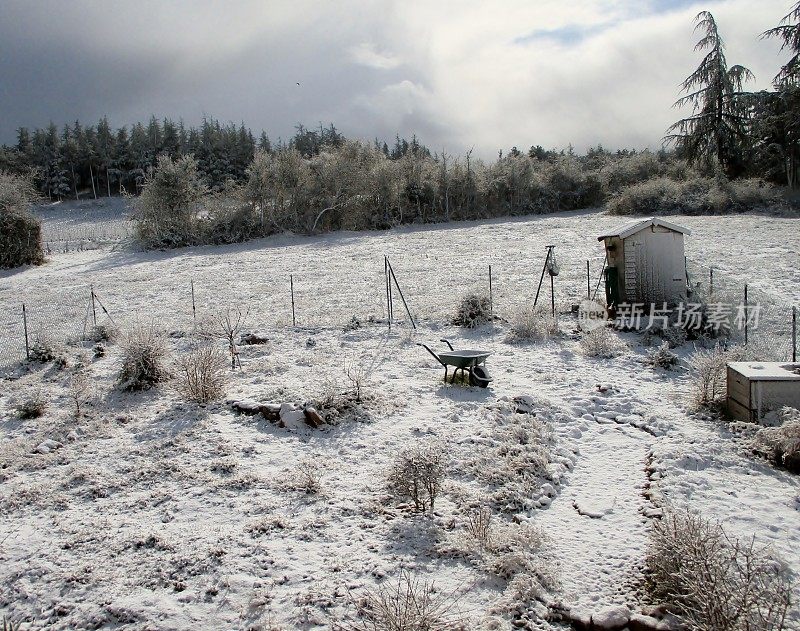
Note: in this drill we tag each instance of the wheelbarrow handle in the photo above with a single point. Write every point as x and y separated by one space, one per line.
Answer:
432 353
448 343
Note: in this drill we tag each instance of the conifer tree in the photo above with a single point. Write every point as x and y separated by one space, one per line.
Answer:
717 128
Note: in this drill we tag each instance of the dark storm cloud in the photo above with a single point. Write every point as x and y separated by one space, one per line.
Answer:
458 74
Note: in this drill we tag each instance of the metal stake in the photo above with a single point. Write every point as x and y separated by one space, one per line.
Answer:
291 288
25 326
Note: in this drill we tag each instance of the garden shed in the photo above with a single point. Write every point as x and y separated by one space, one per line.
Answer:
645 263
755 388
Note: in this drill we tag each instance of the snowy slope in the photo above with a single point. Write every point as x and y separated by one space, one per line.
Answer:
153 513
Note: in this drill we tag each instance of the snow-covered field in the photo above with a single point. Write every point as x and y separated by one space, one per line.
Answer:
151 513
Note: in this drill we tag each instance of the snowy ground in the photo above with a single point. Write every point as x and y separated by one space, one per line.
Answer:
157 514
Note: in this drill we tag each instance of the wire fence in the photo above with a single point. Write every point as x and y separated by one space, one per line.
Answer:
329 293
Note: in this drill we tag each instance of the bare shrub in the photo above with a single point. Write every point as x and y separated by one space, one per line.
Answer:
662 357
782 444
201 374
708 368
602 343
407 605
33 407
358 373
531 325
80 392
479 526
417 474
473 311
228 326
712 581
307 477
143 355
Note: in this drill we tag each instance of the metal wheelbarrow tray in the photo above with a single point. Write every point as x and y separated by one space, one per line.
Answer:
472 361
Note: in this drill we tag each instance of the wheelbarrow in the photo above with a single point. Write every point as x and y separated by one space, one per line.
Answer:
473 361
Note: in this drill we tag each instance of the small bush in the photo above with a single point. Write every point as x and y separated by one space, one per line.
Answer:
473 311
43 348
201 374
33 407
102 333
602 343
662 357
712 581
407 605
532 325
417 474
782 444
143 357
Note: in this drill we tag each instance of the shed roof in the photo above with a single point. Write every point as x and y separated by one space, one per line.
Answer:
636 226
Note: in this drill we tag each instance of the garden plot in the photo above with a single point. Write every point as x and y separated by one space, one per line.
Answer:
150 512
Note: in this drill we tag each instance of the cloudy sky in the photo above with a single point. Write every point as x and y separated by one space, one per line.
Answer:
483 74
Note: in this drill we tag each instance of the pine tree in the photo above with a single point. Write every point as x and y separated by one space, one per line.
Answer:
717 128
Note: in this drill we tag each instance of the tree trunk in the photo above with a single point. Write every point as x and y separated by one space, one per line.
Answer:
74 184
793 169
91 177
108 182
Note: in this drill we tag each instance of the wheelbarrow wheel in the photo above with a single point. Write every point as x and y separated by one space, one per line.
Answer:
479 376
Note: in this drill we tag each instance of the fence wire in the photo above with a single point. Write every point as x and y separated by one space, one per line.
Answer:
329 292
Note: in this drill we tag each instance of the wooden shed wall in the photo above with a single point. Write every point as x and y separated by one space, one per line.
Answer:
652 266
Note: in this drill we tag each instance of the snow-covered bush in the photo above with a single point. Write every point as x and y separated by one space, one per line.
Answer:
782 444
20 232
473 310
43 348
201 374
517 464
662 357
143 355
102 333
408 604
531 325
711 580
601 342
695 196
417 474
167 211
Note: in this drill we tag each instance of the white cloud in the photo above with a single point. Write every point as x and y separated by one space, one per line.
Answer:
365 54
